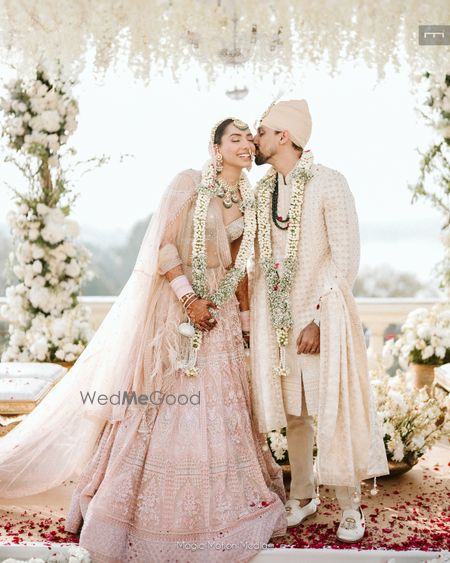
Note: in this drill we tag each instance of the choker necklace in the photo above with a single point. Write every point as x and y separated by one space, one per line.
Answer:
228 193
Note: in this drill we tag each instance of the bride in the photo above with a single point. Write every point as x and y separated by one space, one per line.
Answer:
154 419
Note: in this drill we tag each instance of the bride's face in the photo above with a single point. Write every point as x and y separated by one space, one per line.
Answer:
236 147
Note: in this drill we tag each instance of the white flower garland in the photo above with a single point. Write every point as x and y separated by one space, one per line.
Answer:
279 286
207 189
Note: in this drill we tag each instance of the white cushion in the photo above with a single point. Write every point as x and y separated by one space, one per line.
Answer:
27 381
46 371
21 388
442 376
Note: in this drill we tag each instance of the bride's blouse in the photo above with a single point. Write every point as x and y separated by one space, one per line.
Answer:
176 246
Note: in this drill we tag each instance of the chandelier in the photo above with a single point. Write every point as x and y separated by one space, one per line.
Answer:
267 37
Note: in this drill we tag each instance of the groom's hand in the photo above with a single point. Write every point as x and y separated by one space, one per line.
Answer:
308 341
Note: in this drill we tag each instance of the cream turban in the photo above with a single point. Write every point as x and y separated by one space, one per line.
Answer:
292 116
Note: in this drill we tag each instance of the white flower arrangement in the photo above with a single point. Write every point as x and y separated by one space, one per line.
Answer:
278 444
46 322
72 554
411 421
206 190
278 286
424 338
39 116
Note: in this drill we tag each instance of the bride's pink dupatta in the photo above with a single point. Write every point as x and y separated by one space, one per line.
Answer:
134 349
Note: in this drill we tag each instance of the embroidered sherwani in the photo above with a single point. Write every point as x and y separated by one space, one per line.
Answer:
335 382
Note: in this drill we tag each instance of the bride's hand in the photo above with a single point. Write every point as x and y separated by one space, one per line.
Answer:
200 316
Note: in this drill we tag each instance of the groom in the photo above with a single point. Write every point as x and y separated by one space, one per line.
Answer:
322 368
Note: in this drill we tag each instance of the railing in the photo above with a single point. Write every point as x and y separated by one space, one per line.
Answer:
376 314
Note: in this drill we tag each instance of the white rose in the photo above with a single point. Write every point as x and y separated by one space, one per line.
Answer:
39 348
37 266
18 271
51 120
59 327
36 124
440 351
427 352
73 269
37 252
33 234
52 233
42 209
41 89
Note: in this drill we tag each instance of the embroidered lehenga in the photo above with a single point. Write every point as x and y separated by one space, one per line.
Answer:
166 477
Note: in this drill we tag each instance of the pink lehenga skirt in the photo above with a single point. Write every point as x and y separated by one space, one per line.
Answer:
184 482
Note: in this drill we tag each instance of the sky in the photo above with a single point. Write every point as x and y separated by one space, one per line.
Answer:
367 129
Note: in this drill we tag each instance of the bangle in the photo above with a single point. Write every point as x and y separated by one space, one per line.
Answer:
181 286
186 297
189 301
316 322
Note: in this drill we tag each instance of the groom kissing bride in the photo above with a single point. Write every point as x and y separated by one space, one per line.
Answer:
152 478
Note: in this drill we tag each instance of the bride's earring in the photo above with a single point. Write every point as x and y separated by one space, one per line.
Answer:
219 162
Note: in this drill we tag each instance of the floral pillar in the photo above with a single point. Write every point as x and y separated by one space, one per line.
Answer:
46 321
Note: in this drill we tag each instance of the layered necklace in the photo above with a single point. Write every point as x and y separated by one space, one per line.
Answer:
228 193
278 285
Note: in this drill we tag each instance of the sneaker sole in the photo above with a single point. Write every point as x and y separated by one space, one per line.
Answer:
351 541
302 520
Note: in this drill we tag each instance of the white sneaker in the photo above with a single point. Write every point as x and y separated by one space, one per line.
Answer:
296 514
352 526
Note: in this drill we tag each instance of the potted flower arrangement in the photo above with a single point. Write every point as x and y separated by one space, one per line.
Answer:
411 420
423 343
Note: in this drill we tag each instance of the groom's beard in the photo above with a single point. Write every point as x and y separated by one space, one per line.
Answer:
260 158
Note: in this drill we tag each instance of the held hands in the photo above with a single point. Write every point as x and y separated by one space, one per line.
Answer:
200 316
308 341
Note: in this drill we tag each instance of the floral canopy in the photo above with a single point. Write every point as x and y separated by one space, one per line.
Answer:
268 36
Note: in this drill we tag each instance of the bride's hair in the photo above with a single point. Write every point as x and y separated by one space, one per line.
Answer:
220 130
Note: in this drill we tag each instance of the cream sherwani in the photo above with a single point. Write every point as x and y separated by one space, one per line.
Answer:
335 382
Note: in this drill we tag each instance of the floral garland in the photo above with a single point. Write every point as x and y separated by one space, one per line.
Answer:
206 190
279 286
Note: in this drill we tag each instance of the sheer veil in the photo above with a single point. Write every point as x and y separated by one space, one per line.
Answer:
131 351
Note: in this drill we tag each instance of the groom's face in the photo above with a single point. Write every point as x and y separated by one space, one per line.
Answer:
266 144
